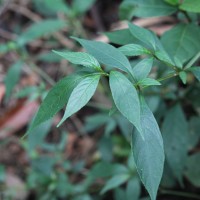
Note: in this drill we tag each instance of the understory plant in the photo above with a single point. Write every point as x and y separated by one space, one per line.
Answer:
153 84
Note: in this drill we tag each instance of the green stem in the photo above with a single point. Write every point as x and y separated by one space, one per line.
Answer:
181 194
163 78
187 16
44 75
192 61
167 77
25 57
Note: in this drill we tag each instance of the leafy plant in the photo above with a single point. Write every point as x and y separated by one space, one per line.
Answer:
128 87
151 83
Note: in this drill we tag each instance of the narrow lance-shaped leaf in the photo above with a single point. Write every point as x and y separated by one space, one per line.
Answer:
56 98
192 171
125 97
121 37
133 50
39 29
161 53
80 96
190 6
133 189
106 54
142 69
182 42
175 135
162 56
115 181
143 35
12 77
172 2
51 7
183 77
196 72
119 194
81 6
148 82
145 8
148 152
80 58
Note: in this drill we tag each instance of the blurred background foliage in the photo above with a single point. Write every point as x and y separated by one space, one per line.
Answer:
89 157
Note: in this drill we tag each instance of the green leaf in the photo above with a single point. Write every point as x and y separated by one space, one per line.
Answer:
51 7
168 180
106 54
143 35
121 37
56 98
82 197
183 77
40 29
142 69
114 182
190 6
178 63
196 72
2 173
172 2
101 170
119 194
175 136
134 50
194 134
12 77
80 58
81 6
145 8
163 56
148 152
49 57
105 147
148 82
182 41
125 97
133 189
80 96
145 198
192 171
37 136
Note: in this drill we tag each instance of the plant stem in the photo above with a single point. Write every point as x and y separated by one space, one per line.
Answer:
25 57
162 79
193 60
43 74
187 16
167 77
181 194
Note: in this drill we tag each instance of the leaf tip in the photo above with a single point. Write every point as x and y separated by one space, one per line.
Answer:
74 38
59 124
